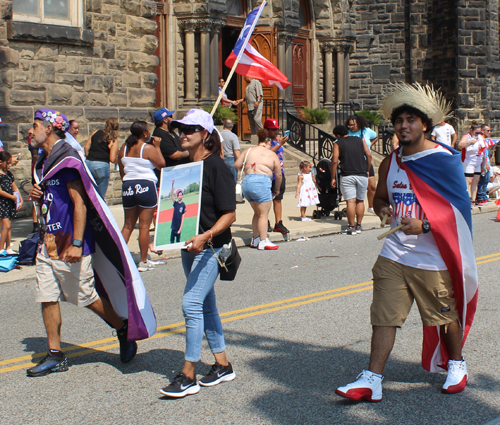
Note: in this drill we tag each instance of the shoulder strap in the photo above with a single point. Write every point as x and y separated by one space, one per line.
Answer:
243 167
142 149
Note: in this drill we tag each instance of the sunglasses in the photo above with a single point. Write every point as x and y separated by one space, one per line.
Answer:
190 129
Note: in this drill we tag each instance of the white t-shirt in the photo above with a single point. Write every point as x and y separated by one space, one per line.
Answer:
443 133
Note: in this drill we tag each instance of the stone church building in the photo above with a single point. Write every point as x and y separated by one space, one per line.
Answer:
94 59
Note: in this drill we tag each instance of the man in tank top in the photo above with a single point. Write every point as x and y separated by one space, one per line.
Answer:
430 259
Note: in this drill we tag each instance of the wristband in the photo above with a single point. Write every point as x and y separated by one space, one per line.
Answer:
77 243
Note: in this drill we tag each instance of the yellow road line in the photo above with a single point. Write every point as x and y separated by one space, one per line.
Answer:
236 315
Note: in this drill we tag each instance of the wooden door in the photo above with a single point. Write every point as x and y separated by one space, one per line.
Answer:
264 42
299 72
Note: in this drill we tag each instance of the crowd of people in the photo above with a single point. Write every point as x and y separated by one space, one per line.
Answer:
415 263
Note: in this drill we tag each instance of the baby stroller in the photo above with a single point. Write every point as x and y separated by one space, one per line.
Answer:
329 198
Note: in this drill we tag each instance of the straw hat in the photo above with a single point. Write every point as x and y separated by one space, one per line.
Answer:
424 98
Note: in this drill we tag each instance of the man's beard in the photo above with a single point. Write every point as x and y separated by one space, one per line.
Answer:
405 142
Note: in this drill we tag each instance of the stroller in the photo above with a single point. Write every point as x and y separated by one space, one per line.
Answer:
329 198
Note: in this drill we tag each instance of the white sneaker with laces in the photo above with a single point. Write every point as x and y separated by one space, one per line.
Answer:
370 210
255 242
368 386
457 377
267 244
144 266
305 219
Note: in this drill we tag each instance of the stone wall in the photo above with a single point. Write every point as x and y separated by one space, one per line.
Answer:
105 69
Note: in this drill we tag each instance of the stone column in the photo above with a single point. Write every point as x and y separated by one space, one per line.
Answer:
342 81
328 76
189 98
205 65
214 60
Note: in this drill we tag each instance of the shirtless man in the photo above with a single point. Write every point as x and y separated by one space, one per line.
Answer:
259 163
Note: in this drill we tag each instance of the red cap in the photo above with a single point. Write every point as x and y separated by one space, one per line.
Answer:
271 123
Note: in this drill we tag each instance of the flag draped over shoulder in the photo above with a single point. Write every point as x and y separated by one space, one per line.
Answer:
116 276
251 62
439 185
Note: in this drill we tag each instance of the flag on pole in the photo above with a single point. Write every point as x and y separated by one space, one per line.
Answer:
488 143
251 63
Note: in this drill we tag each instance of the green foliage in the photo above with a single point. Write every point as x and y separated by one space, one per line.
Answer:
372 116
192 188
315 116
223 113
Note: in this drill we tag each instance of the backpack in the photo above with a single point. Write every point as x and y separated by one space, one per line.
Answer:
28 250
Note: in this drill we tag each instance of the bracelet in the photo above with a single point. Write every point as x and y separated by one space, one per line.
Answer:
211 235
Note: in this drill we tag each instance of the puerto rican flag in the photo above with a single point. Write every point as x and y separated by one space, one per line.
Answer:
488 143
250 62
446 204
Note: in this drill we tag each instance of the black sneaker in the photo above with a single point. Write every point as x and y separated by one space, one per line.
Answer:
54 361
269 228
128 349
217 374
181 386
279 227
359 228
351 230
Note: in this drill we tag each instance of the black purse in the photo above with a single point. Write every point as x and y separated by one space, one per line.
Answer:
229 268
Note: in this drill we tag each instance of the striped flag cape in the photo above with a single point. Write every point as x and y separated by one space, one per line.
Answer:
439 185
251 62
116 276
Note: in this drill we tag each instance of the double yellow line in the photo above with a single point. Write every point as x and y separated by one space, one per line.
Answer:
176 328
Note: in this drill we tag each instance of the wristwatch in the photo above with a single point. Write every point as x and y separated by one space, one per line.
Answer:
426 226
78 243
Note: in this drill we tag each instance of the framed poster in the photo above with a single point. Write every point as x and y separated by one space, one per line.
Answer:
179 204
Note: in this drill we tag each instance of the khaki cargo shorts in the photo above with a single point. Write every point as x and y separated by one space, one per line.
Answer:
57 280
395 286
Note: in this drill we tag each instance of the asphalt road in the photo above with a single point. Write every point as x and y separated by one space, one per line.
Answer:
296 323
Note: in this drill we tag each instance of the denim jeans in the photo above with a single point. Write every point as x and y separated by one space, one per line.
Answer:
229 160
100 172
199 304
482 194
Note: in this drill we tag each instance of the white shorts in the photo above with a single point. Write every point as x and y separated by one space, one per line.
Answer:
472 168
57 280
353 187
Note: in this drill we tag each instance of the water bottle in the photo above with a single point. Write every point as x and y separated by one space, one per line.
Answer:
225 252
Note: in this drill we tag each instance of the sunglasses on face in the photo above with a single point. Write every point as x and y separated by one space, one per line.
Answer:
190 129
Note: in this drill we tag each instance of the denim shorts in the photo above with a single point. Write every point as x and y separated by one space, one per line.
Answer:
139 193
257 188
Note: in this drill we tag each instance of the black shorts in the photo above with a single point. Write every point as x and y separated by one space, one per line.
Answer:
139 193
472 174
372 171
279 196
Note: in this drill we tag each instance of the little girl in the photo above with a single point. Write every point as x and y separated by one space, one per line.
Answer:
8 201
306 189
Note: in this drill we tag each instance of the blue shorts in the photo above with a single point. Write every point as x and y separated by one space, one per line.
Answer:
139 193
257 188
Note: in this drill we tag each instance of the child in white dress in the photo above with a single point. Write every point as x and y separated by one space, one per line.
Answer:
306 189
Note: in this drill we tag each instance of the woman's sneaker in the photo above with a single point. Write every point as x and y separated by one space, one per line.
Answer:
359 228
54 361
351 230
255 242
217 374
128 349
181 386
305 219
368 386
457 377
145 266
267 244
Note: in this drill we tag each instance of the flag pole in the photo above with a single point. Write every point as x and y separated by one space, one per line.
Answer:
238 58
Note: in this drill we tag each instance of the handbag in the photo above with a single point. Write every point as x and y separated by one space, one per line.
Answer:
229 267
7 262
239 189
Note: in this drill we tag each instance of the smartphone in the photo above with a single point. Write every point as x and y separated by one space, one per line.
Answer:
287 133
18 156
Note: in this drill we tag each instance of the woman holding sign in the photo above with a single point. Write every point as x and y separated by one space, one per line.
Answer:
199 259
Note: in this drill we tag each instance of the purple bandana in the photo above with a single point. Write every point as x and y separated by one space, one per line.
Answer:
57 119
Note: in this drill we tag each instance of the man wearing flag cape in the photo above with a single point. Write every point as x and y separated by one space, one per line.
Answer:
431 258
82 257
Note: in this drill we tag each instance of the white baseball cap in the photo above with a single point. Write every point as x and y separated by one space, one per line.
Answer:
196 117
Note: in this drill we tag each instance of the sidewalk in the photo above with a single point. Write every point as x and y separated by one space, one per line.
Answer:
241 229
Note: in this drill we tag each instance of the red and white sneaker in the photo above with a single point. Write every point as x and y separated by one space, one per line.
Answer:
267 244
255 242
457 377
368 386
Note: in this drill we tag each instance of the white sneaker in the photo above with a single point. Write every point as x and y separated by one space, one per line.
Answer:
457 377
368 386
255 242
145 266
305 219
370 210
267 244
